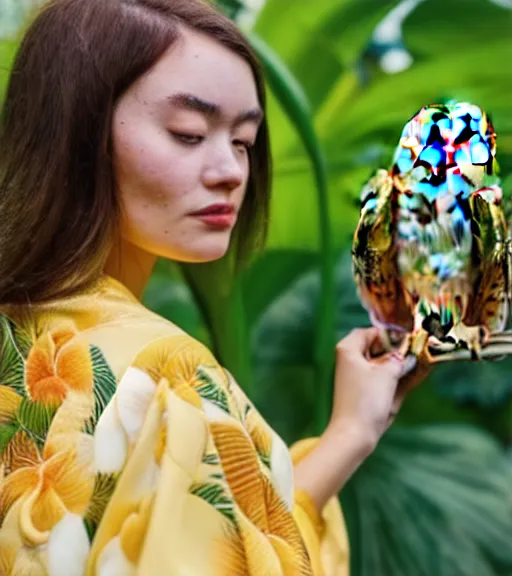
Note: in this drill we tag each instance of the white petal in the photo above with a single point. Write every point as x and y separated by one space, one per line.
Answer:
133 396
68 547
110 441
215 413
282 470
113 562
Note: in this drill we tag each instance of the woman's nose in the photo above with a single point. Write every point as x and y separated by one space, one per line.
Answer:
224 169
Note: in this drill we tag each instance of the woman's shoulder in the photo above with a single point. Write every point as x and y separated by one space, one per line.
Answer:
106 301
105 319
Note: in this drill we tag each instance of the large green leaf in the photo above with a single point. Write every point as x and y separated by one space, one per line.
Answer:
431 500
387 104
321 39
436 27
320 42
7 53
269 276
218 295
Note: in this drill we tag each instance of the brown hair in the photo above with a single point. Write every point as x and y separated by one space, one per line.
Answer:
58 202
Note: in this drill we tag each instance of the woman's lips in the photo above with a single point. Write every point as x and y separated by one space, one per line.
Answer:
217 215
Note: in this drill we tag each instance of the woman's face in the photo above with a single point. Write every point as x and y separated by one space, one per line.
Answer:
181 135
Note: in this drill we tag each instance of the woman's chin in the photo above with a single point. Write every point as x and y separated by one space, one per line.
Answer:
202 254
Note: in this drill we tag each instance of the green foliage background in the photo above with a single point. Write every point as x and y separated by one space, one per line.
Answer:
436 496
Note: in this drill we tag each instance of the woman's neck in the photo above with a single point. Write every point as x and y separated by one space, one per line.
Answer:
130 265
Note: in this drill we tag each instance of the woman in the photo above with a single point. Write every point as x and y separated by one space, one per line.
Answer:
135 129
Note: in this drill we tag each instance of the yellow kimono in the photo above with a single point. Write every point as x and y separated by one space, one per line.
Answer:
126 449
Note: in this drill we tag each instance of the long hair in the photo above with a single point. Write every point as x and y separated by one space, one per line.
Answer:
59 205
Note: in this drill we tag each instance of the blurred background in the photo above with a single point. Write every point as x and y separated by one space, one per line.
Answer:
343 78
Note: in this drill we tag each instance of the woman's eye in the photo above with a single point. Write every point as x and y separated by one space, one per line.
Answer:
187 139
243 144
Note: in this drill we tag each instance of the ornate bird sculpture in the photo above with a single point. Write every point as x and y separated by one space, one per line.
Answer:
431 254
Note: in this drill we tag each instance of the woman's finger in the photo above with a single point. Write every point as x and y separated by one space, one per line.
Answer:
413 377
359 340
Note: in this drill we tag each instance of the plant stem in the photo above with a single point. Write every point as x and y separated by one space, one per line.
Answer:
295 104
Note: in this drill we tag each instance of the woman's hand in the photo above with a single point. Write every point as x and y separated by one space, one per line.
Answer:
368 393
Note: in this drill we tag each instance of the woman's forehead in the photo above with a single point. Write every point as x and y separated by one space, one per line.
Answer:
203 68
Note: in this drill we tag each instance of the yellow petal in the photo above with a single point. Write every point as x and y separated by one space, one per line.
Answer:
10 543
9 403
187 393
74 367
242 469
161 443
7 557
21 452
72 479
229 556
62 333
50 391
282 525
176 359
41 509
260 555
290 564
65 431
134 531
39 364
14 486
259 432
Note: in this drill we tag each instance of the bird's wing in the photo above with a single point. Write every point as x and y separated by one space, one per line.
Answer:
490 302
374 255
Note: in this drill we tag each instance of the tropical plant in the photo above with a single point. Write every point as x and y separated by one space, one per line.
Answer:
436 496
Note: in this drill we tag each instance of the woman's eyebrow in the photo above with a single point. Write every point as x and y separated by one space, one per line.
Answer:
211 110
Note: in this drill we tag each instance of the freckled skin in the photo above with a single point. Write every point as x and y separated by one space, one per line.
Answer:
161 179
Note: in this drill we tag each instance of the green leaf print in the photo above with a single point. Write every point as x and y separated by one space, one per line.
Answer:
104 486
35 419
211 459
14 346
7 432
210 390
217 476
104 385
22 339
216 496
265 459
